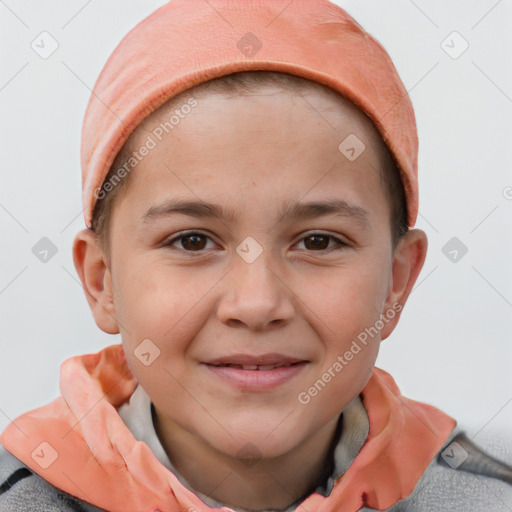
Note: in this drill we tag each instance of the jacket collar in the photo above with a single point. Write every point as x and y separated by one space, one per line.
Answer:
80 444
353 431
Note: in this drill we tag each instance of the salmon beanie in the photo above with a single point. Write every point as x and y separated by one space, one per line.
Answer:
187 42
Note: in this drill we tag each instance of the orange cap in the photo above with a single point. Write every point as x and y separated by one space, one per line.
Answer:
187 42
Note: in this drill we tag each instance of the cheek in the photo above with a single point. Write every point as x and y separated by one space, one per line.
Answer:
346 300
349 307
162 304
160 313
349 311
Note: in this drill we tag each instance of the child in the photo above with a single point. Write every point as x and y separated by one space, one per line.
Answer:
280 135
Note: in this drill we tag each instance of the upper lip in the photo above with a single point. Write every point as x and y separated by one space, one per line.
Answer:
258 360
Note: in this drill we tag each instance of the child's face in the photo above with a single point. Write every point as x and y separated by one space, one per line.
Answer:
204 299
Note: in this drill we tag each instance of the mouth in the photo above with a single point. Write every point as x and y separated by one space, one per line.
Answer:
256 367
254 361
255 373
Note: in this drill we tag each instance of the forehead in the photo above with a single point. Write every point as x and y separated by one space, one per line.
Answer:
268 138
319 103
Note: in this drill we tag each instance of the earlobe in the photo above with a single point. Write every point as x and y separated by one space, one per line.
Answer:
96 280
408 260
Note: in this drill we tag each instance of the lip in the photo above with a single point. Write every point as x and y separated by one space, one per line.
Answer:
256 379
268 359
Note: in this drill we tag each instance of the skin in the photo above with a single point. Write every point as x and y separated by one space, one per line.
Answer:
253 154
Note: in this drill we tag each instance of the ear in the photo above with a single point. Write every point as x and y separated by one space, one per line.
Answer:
408 259
96 280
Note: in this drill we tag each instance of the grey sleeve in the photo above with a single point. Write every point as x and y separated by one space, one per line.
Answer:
21 490
477 482
448 490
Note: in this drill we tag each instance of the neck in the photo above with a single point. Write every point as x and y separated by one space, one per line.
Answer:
262 484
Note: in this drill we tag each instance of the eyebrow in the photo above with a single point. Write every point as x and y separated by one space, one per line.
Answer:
291 211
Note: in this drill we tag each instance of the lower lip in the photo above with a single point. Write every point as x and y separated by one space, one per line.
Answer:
256 380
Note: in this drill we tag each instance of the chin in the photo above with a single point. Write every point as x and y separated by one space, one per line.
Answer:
255 444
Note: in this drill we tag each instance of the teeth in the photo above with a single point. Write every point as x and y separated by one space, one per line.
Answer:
262 367
254 367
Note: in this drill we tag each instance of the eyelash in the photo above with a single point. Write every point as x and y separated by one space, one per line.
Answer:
341 245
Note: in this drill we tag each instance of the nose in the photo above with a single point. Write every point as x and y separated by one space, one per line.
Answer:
254 295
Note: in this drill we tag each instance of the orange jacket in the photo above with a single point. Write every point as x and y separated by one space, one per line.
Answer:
79 444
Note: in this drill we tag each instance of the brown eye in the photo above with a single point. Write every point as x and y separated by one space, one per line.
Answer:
317 242
189 242
320 242
192 242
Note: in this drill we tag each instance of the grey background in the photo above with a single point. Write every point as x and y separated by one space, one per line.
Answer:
452 347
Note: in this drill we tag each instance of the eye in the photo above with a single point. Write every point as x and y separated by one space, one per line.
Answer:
320 242
196 241
193 241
